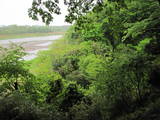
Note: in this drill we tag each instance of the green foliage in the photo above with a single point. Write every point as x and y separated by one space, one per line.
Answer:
142 44
11 61
105 68
92 65
108 54
45 9
17 107
13 73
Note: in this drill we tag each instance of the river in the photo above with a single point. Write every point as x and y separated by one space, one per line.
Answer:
32 45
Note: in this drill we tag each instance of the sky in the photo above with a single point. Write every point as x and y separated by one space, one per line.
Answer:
16 12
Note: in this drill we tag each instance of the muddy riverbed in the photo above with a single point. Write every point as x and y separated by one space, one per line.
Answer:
32 45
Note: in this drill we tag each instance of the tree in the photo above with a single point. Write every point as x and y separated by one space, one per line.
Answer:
76 8
12 68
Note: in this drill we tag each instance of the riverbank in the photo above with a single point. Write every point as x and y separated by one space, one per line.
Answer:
45 58
32 45
24 35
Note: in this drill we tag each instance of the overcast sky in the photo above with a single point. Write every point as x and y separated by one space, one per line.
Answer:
15 12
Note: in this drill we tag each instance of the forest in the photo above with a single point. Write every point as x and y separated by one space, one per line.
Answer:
106 67
17 31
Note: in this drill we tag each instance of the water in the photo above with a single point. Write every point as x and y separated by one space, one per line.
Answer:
33 54
45 44
32 45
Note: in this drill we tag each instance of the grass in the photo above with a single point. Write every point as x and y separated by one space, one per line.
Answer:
44 60
14 36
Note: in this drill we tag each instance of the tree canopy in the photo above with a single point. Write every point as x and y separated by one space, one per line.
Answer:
76 8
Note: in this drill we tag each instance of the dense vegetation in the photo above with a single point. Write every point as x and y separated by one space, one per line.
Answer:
107 67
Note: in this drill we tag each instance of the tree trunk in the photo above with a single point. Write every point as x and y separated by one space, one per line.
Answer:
16 85
159 2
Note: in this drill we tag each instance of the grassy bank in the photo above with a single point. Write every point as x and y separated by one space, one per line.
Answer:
45 58
24 35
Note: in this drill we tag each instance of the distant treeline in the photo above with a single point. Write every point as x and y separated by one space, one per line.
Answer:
15 29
